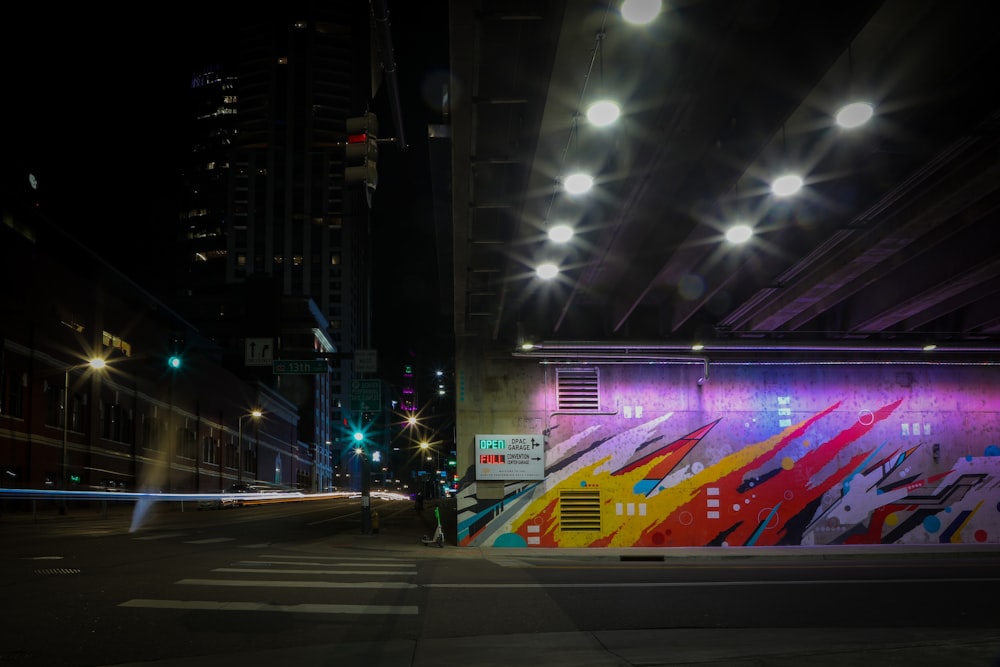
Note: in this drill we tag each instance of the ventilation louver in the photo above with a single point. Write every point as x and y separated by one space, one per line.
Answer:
578 389
580 511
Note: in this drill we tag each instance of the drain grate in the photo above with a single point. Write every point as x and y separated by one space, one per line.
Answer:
58 570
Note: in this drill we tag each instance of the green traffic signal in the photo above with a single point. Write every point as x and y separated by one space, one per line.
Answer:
174 362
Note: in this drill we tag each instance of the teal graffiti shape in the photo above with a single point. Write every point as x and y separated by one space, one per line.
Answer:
510 540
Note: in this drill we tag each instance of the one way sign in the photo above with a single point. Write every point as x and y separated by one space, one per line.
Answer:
259 351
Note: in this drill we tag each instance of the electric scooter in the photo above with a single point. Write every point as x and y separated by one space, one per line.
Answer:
438 536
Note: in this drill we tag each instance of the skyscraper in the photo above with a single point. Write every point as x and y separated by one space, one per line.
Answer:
273 243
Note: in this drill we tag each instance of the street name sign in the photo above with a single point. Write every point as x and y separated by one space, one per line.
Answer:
510 457
365 361
299 367
366 395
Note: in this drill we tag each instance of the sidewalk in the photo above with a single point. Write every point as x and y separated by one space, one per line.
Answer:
730 647
876 647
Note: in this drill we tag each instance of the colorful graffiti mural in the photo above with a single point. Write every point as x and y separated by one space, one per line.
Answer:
640 488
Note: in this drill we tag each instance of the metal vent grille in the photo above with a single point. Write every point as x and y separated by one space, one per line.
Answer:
578 389
580 511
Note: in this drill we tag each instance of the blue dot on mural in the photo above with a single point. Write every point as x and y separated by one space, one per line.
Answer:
992 450
510 540
932 524
583 482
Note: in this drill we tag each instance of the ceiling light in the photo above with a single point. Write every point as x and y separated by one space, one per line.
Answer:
854 115
603 113
577 184
739 233
786 185
640 12
697 347
929 347
561 233
547 271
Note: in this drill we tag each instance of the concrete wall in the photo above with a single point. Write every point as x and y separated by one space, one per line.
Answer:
760 454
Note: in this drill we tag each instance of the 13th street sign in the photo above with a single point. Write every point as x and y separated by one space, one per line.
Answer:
299 367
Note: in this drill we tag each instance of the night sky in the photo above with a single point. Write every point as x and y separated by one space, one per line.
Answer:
89 95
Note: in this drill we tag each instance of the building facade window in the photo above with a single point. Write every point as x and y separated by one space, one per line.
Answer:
116 422
187 443
53 405
210 450
232 454
12 384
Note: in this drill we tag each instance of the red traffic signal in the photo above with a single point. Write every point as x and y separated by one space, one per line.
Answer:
361 151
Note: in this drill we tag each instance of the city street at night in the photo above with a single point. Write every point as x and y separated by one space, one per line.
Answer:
300 583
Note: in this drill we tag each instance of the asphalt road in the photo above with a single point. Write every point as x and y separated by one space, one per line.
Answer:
300 583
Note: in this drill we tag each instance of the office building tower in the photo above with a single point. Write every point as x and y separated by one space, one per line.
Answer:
274 243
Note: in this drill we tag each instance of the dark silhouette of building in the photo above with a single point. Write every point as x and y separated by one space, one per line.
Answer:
273 243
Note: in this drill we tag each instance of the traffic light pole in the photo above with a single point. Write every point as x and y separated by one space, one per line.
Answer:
363 452
366 492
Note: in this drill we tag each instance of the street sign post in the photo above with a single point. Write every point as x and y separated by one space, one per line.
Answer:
299 367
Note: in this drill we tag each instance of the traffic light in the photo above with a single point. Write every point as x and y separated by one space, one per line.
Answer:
176 347
361 151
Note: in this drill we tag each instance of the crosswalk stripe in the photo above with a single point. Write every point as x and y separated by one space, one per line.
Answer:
274 571
211 540
304 563
328 558
212 605
295 584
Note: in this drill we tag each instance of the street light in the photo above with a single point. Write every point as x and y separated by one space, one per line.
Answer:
437 466
256 414
95 363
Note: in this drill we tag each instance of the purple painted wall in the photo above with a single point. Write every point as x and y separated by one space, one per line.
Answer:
757 455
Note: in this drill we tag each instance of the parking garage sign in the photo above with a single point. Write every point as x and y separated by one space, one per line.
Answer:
510 457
